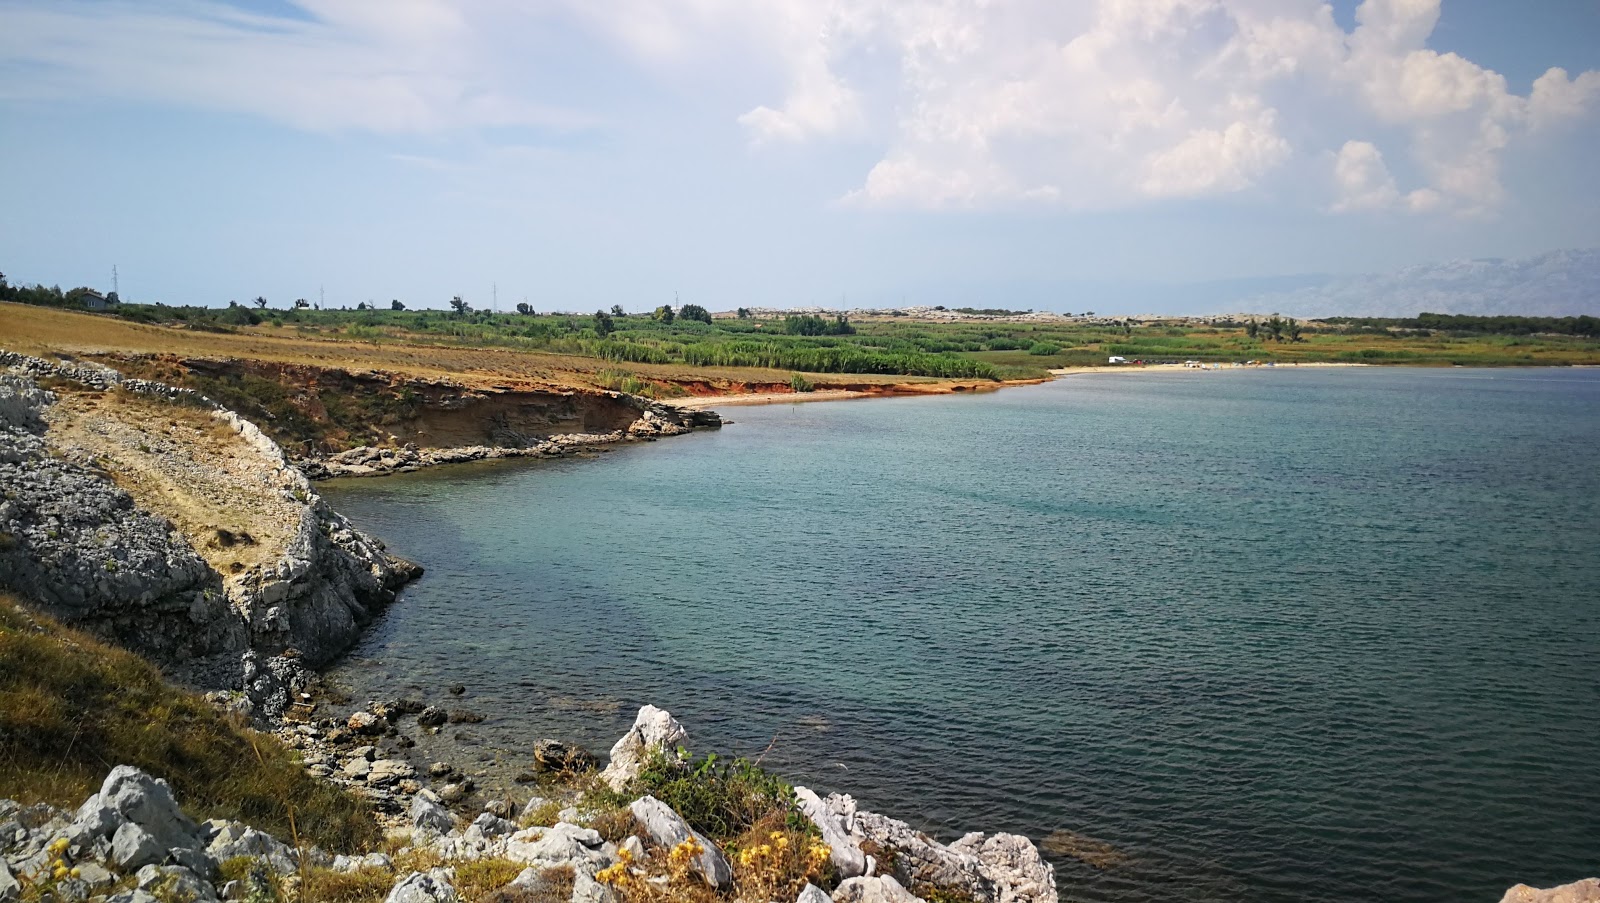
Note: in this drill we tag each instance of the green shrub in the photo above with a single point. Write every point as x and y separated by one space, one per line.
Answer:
1044 349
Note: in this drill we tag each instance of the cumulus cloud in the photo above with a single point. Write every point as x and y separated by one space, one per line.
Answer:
1123 101
1088 105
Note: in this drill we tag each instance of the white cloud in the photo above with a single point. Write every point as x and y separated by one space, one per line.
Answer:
400 66
965 103
1364 183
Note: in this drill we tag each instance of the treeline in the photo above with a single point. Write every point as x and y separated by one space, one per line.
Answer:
1490 325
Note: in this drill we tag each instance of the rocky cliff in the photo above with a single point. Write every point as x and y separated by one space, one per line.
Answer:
151 517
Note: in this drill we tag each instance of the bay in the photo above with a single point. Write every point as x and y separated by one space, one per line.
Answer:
1319 634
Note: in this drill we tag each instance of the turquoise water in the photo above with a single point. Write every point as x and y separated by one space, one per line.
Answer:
1272 635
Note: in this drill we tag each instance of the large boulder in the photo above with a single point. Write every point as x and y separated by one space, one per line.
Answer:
148 803
668 829
838 828
1585 891
652 729
877 889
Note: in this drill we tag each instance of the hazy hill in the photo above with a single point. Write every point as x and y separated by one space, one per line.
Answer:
1556 284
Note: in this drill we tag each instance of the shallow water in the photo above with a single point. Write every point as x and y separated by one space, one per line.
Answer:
1269 635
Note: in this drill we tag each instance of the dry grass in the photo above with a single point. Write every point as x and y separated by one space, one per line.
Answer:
179 462
49 332
72 707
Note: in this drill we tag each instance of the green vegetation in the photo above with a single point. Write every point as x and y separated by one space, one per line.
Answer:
720 798
690 339
71 707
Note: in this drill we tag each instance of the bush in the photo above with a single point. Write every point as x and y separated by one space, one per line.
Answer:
801 384
1044 349
720 799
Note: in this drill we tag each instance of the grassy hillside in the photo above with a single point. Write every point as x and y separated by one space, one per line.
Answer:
72 707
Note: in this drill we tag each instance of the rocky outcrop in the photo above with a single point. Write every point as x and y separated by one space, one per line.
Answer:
997 868
653 730
86 552
1585 891
838 831
76 545
667 830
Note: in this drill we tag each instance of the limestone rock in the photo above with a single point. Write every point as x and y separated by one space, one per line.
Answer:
652 729
387 771
877 889
422 887
1020 874
562 845
235 840
837 829
366 723
812 894
432 716
428 814
1585 891
668 829
10 889
132 848
175 882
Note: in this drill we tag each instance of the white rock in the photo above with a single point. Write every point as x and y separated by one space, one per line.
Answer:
422 887
564 844
1019 873
148 803
836 828
132 848
388 771
668 829
812 894
9 888
652 729
428 814
878 889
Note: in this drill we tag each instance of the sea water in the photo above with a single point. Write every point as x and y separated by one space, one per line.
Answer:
1307 635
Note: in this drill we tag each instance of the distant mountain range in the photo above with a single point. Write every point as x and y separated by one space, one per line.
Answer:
1557 284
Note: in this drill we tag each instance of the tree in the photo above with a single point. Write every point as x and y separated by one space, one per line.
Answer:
301 304
261 302
694 312
1292 327
663 314
396 305
743 313
1252 328
617 311
603 324
1274 328
525 308
461 307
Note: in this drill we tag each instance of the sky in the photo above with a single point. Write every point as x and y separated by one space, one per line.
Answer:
576 154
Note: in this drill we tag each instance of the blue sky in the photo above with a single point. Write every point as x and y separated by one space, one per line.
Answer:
1027 153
